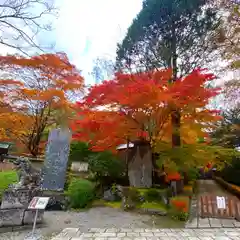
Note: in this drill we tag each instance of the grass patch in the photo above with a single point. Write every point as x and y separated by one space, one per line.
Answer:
142 191
103 203
98 203
153 205
113 204
181 198
7 178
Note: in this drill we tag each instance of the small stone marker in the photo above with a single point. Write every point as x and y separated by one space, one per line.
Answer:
221 202
173 185
37 203
165 200
79 167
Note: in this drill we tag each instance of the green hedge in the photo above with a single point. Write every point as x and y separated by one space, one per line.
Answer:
231 172
81 193
234 189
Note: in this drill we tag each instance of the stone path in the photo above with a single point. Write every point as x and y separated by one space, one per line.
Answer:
147 234
99 217
212 223
209 187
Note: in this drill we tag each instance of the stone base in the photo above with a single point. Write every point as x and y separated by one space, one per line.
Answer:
19 217
29 216
11 217
14 212
152 211
19 198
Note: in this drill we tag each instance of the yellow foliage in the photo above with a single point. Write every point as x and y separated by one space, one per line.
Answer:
192 155
188 188
15 125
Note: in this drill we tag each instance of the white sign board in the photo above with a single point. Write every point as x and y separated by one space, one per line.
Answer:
221 202
38 203
79 167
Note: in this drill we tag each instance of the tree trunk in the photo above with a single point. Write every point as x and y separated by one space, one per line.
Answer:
140 165
176 116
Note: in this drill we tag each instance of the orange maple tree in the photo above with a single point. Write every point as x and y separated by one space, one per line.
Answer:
48 82
139 106
7 87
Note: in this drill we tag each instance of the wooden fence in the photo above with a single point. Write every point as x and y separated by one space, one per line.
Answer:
209 207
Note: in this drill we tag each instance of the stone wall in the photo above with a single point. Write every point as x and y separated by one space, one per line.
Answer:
14 208
18 217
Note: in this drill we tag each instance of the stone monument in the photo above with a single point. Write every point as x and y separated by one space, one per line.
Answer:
14 206
55 166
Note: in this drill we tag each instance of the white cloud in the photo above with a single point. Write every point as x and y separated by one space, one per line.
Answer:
99 24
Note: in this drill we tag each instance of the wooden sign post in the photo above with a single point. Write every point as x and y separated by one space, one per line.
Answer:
37 203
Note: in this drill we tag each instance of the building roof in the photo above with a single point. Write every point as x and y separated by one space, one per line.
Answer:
124 146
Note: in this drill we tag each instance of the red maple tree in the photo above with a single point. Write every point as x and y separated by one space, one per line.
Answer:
139 106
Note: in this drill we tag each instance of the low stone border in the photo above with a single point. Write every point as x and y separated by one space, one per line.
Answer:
20 228
193 209
152 211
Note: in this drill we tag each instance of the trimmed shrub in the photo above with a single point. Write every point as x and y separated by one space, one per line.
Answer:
106 164
81 193
134 195
79 151
130 198
231 172
152 195
107 169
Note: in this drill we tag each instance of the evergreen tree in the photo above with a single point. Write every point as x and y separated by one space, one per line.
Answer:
167 30
169 33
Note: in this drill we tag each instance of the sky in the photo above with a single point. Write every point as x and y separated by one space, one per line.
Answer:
87 29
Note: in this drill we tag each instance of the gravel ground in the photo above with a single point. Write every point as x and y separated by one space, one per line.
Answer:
101 217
